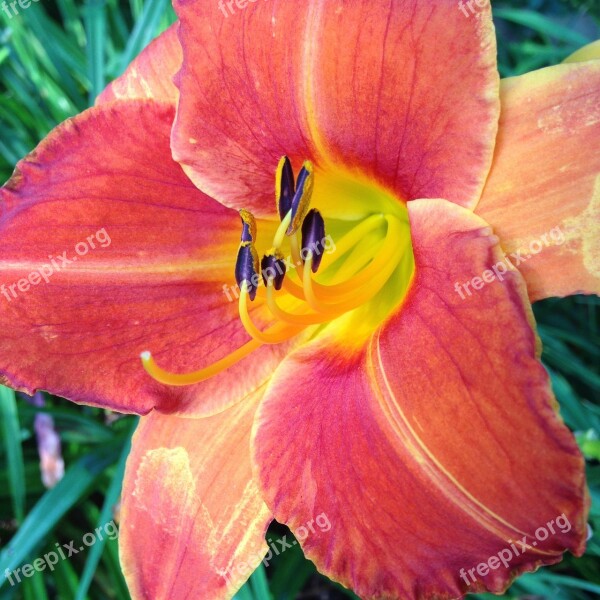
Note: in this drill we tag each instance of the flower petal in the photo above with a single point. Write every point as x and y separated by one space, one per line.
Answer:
544 187
193 522
403 92
150 75
153 280
433 448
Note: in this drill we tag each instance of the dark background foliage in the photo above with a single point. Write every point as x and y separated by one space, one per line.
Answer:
55 57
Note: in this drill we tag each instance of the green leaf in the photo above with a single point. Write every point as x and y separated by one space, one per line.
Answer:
11 432
543 25
95 27
260 585
144 30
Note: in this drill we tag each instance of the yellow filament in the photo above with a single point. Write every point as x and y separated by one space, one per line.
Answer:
296 257
280 233
279 313
362 287
347 243
371 279
272 336
380 263
352 238
360 256
177 379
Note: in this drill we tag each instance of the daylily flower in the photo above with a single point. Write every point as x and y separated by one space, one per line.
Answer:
420 424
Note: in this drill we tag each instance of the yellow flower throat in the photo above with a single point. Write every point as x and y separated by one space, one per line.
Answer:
364 276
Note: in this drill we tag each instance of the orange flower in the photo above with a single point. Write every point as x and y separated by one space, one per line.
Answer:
379 393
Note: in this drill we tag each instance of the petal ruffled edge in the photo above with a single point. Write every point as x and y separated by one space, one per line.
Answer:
150 75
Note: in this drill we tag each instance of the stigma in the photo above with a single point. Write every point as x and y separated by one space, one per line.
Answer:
355 270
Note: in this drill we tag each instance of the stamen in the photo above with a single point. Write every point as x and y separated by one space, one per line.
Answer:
274 336
246 268
366 284
343 246
246 265
284 187
370 266
279 313
302 197
248 226
313 234
281 231
353 237
273 268
380 262
177 379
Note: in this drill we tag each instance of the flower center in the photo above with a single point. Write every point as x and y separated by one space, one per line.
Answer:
363 274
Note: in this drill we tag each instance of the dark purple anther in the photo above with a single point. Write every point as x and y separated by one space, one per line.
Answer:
285 187
273 267
246 268
313 236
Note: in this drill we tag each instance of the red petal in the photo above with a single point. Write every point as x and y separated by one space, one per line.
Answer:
405 93
193 522
150 75
154 281
434 447
543 194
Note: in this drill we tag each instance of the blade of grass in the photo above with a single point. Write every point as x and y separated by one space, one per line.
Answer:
144 31
260 585
542 25
66 579
11 431
34 588
95 27
117 582
570 582
245 593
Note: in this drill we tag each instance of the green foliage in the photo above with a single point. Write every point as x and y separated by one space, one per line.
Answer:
55 57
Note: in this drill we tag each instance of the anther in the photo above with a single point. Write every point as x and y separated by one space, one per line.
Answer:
273 268
284 187
313 234
302 197
248 226
246 265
